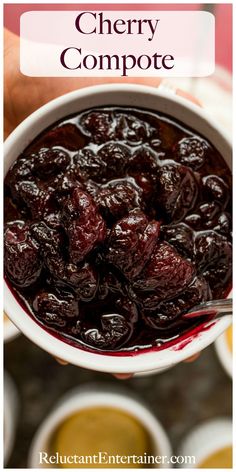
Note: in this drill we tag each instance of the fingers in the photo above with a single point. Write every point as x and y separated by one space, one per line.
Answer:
193 358
123 376
61 361
10 40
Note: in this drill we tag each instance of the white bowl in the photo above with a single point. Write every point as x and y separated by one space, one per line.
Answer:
11 405
206 439
224 353
95 395
117 95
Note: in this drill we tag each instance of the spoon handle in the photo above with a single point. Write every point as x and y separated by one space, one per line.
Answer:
216 308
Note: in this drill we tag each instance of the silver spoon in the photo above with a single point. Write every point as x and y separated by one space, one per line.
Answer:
217 308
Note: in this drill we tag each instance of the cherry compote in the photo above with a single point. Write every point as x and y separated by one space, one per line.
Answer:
118 221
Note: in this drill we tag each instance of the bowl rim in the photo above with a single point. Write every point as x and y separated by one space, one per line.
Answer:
161 91
207 438
96 395
104 362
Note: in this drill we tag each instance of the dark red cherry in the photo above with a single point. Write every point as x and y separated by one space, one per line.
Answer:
50 161
181 237
98 125
38 199
192 152
88 165
133 130
66 135
84 280
55 310
176 191
114 156
224 224
117 198
22 258
166 273
216 189
113 333
213 259
144 160
167 311
131 243
84 225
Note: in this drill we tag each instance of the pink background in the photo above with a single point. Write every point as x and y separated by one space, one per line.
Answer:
223 15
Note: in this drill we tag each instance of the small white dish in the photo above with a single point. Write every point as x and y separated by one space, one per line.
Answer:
96 395
11 405
224 353
115 95
205 440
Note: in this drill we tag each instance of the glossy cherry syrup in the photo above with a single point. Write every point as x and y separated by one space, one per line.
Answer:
118 221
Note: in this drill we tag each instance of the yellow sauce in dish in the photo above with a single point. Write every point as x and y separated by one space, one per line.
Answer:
101 429
221 459
229 338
